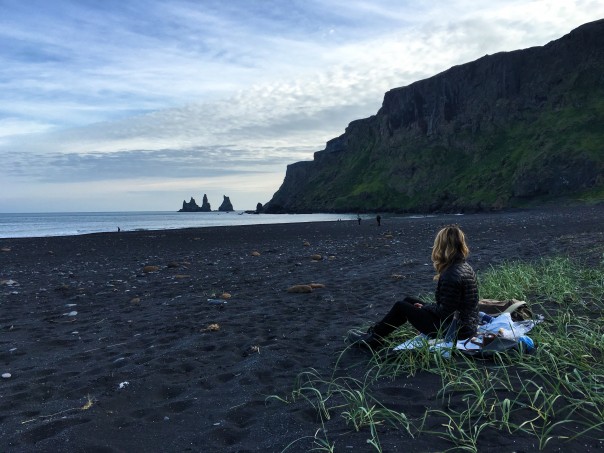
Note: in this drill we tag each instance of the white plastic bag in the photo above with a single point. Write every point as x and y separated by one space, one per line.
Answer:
503 326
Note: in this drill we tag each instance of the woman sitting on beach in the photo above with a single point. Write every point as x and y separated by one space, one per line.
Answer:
456 293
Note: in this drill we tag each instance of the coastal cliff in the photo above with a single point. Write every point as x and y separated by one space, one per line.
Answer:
507 130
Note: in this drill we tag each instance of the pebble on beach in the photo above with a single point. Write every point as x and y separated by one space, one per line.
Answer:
211 328
300 289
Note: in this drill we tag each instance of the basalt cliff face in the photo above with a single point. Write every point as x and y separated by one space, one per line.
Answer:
507 130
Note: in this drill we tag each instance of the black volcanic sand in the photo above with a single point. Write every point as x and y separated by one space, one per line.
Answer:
105 357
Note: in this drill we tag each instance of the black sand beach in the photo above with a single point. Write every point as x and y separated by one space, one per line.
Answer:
107 356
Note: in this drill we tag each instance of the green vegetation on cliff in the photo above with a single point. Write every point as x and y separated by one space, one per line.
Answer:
508 130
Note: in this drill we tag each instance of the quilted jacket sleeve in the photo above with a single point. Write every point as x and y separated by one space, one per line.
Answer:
450 295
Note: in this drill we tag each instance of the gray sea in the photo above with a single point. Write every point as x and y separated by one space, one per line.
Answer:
75 223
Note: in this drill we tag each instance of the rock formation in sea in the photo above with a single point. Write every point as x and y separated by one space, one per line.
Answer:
205 205
226 205
192 206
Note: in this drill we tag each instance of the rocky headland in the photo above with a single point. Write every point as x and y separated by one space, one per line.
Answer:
508 130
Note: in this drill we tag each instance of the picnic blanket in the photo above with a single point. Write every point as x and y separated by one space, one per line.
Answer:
502 329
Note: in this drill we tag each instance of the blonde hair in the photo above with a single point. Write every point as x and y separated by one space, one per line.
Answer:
449 246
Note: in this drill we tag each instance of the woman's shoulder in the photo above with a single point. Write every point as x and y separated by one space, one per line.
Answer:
457 269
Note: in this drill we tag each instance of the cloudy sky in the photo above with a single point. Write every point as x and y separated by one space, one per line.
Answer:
114 105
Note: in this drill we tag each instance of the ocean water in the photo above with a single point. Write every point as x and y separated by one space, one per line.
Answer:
74 223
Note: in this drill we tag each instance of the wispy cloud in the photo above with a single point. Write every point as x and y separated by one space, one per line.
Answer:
152 93
201 162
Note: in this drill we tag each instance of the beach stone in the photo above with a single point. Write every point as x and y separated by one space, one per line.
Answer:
211 328
316 257
216 301
8 282
252 350
397 276
147 269
7 375
173 264
316 285
300 289
135 300
306 244
255 253
5 249
181 276
225 296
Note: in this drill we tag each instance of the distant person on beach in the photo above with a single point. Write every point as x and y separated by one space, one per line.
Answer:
456 294
379 219
359 218
118 229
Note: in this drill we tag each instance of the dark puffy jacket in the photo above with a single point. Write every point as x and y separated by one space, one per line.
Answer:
457 291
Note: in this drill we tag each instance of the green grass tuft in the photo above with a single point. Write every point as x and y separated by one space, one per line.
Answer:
553 396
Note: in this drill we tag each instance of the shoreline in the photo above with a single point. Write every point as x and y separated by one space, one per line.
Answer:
140 367
79 224
367 217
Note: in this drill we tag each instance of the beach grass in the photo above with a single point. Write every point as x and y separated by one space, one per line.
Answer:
553 395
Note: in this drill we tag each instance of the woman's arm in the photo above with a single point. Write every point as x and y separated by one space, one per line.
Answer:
449 294
449 297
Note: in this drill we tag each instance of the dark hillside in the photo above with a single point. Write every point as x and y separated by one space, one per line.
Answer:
507 130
